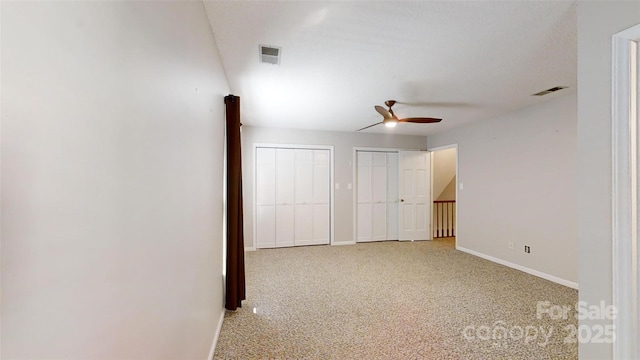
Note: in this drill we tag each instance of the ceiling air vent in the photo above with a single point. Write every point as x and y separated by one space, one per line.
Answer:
270 54
549 91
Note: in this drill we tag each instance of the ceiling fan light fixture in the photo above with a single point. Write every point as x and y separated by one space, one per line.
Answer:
390 120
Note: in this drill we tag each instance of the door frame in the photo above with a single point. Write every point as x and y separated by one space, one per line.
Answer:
625 199
331 182
445 147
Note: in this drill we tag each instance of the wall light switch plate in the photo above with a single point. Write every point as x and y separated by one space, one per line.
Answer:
461 186
349 186
337 186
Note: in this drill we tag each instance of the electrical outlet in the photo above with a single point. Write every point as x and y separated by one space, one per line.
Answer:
527 249
510 245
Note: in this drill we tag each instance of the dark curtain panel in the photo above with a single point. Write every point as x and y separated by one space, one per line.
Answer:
235 286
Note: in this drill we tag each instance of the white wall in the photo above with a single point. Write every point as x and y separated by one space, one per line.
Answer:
449 192
343 143
518 173
444 171
112 133
597 22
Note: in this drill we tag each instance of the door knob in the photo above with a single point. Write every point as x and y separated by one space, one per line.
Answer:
401 200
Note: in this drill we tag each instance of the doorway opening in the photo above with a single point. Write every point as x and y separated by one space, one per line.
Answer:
444 174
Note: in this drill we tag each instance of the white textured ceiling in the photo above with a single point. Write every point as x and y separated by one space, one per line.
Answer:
460 61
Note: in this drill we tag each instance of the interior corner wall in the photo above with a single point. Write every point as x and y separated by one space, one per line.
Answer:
449 192
518 174
112 153
597 22
343 143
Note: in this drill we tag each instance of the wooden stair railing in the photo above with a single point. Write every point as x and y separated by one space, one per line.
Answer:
444 218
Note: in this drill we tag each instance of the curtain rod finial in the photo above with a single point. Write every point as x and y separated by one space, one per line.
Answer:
231 98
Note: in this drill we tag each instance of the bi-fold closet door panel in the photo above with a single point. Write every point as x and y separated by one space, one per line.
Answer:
285 195
265 198
321 197
363 196
312 197
377 195
300 182
304 197
392 196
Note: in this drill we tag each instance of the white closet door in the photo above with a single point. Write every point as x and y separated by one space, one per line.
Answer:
303 176
321 185
293 195
363 196
392 196
379 196
265 198
303 197
303 224
284 217
285 225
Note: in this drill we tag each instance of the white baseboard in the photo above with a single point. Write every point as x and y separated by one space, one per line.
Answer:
343 243
216 335
334 244
533 272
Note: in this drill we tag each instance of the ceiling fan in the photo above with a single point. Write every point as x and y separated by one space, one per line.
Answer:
391 120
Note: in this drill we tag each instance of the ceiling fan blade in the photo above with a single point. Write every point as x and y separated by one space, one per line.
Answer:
366 127
437 103
420 120
384 112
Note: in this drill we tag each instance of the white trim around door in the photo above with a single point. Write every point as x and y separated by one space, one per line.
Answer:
624 115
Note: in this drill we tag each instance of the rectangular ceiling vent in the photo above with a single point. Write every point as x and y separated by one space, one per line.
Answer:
270 54
549 91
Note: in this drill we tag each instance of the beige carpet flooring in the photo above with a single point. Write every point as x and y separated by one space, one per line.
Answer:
393 300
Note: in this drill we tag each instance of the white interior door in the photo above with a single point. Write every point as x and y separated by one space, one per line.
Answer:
415 195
